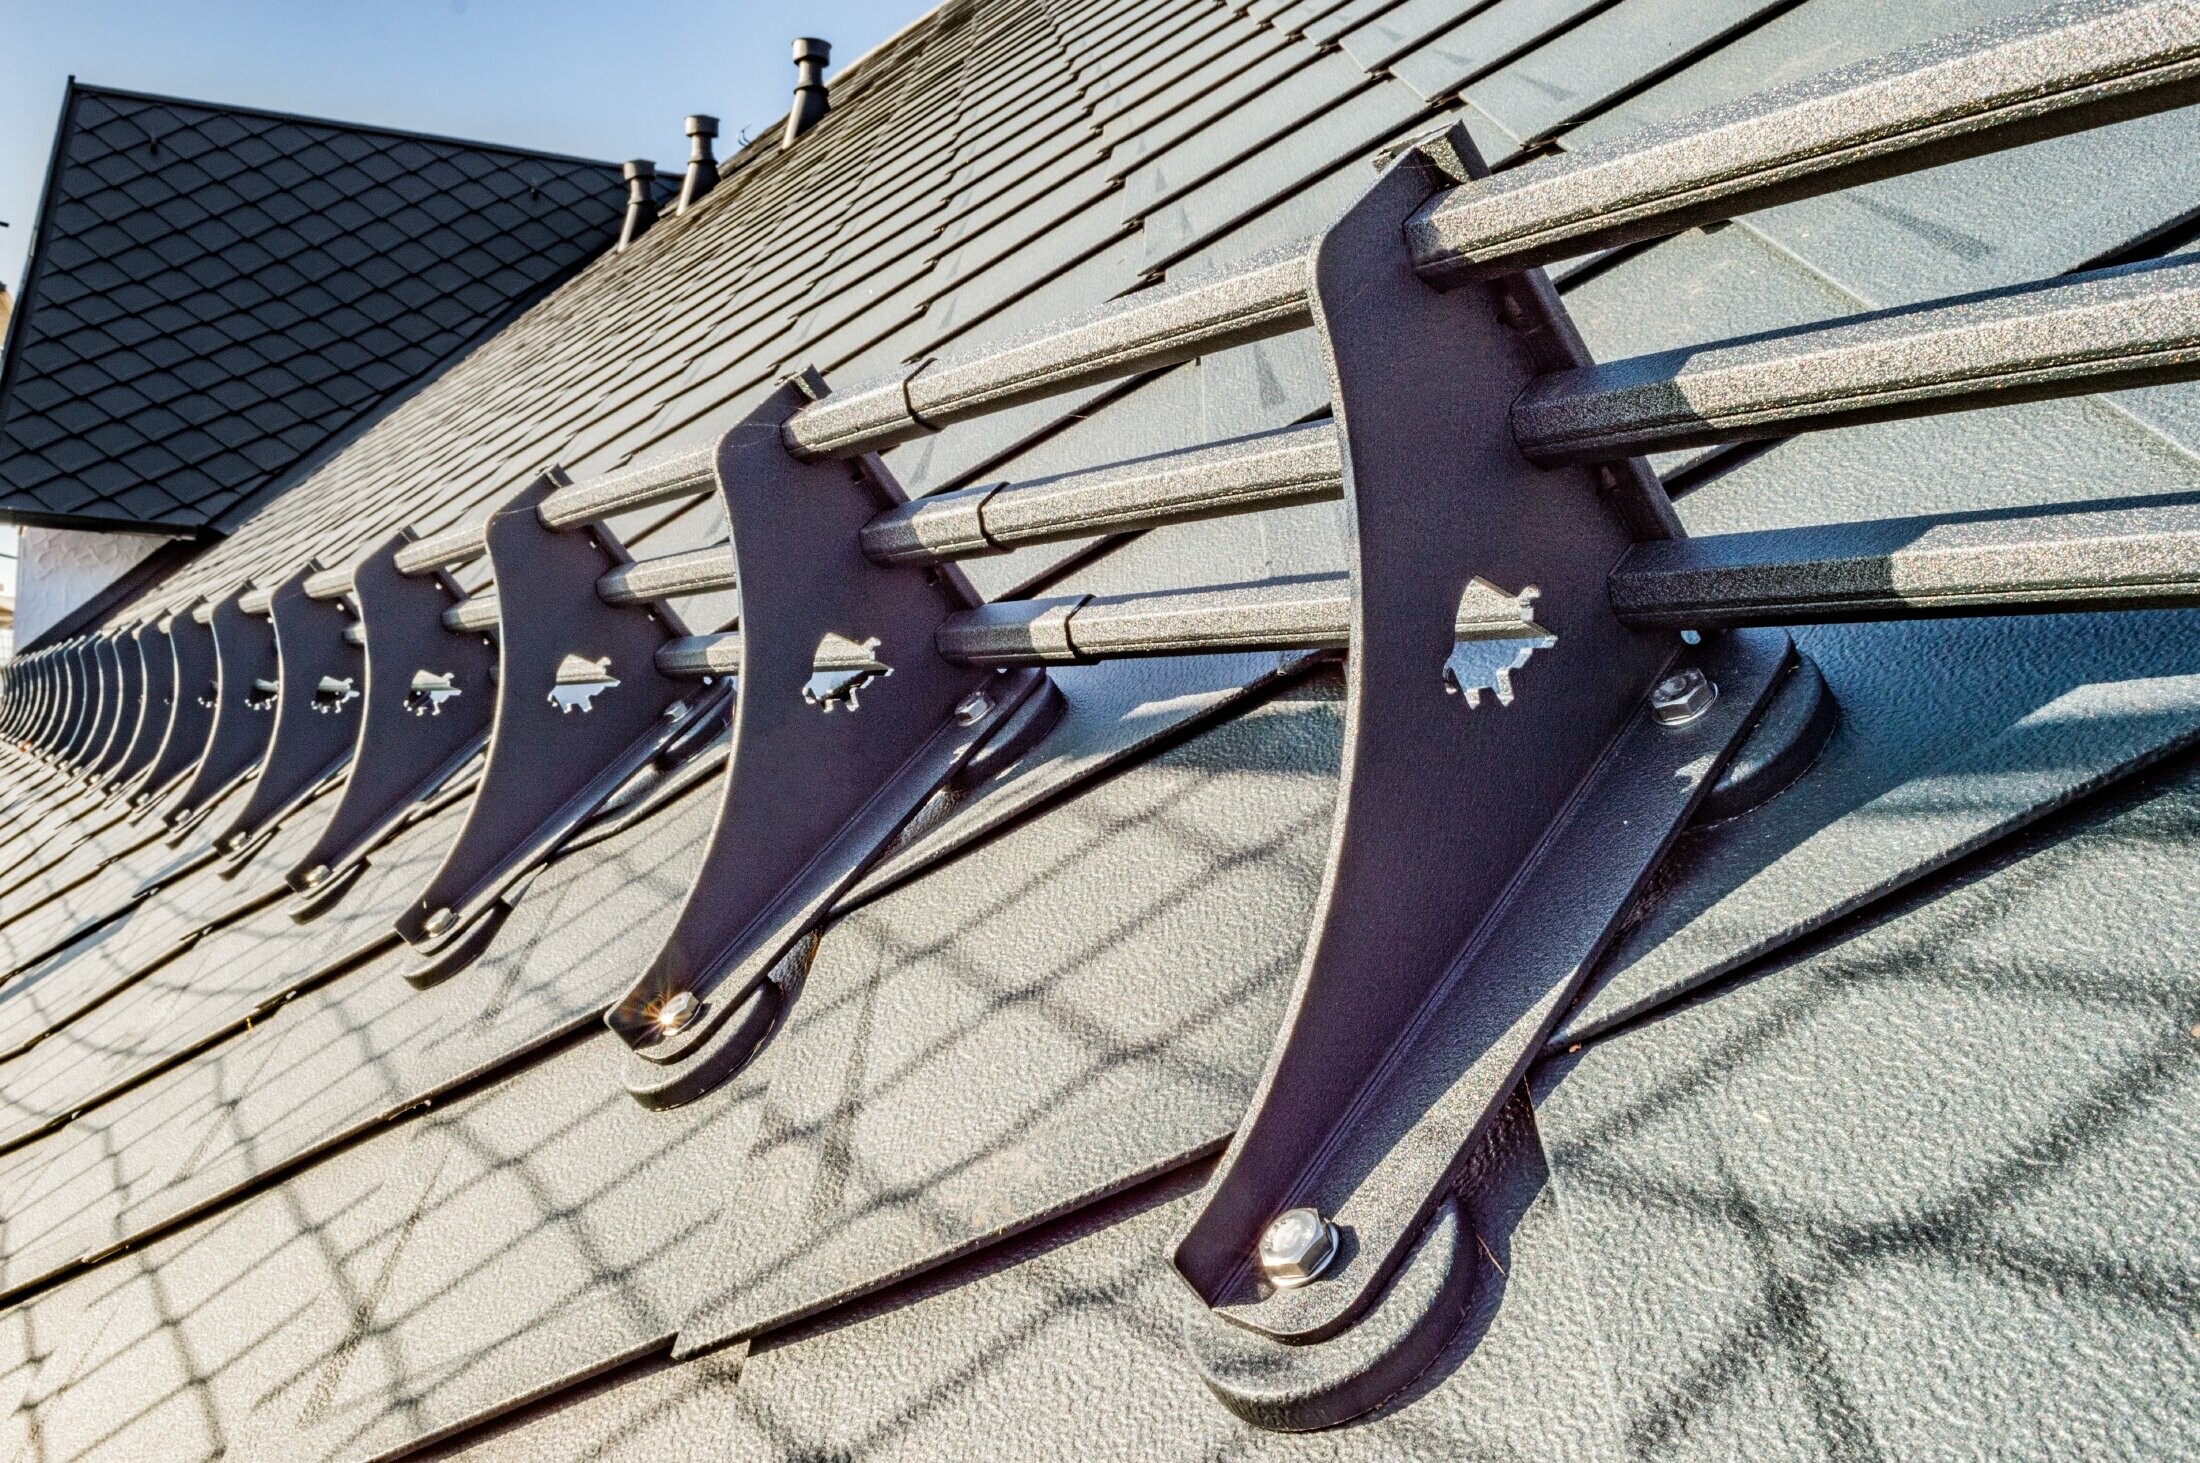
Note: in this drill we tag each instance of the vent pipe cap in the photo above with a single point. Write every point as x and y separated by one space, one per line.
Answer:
811 56
641 201
702 171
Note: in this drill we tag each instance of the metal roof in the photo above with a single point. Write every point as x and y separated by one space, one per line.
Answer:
964 722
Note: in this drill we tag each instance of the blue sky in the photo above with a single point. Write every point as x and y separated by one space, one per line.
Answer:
603 80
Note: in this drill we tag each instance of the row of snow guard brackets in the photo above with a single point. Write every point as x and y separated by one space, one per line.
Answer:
1495 818
581 707
1481 856
850 717
428 696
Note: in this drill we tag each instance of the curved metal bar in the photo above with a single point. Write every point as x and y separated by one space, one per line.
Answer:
88 698
316 711
129 705
191 723
68 703
581 707
827 765
429 698
1484 845
157 677
244 705
107 666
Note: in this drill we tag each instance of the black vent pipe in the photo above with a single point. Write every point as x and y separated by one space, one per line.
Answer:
702 173
641 201
811 56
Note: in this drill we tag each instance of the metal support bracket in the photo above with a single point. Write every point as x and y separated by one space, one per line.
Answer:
245 688
316 710
1484 848
72 703
157 696
430 693
92 698
833 752
581 707
117 702
197 675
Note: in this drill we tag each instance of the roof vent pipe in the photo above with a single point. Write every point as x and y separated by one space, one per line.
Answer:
702 173
810 101
641 201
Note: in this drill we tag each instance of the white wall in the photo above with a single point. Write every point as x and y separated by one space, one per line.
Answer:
58 569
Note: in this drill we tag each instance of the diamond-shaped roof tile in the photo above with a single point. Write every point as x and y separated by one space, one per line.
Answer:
192 248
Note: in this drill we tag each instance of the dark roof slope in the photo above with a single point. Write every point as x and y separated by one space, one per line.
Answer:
215 293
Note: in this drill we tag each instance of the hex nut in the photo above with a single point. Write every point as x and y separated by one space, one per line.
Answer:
316 876
972 708
1682 697
438 921
1297 1247
679 1008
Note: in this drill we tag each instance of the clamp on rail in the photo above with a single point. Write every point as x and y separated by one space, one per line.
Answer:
849 719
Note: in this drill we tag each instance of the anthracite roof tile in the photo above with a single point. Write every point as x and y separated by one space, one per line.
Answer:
225 231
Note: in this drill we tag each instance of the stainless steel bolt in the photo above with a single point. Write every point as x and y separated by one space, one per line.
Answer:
1682 697
678 1010
438 921
973 708
1296 1247
317 876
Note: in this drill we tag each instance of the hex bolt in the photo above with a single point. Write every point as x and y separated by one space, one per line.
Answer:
972 708
1296 1247
1682 697
678 1010
316 876
438 921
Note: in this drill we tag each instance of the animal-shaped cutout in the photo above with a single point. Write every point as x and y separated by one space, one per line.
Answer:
840 668
1496 633
580 681
333 694
430 689
260 695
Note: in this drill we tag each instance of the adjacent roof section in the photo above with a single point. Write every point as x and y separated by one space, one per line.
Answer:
214 293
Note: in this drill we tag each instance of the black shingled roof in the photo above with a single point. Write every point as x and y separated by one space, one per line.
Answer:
216 293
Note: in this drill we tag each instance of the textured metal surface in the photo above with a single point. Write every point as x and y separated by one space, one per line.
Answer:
1896 568
477 614
974 1053
1158 327
411 738
2068 67
552 759
191 647
243 706
1925 1184
683 475
1312 612
958 196
826 765
307 270
694 572
317 714
445 550
157 676
1421 855
1952 734
1278 469
2119 328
